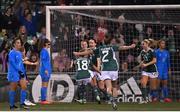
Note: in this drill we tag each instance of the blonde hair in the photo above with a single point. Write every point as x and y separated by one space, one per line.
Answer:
153 43
146 41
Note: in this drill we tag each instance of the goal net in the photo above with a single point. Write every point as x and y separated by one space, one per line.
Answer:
68 25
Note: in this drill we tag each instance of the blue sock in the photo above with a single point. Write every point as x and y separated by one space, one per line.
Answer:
23 96
11 97
154 93
151 93
43 93
165 92
160 95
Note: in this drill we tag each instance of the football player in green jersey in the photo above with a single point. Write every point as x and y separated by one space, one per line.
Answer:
149 69
109 67
96 78
83 73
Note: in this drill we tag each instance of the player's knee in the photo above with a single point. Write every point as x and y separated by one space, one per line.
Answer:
24 87
164 84
101 87
109 90
143 83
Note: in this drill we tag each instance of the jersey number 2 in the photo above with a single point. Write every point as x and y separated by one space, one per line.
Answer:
105 53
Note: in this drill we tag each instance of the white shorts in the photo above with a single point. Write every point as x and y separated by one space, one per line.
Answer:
91 74
150 74
112 75
98 76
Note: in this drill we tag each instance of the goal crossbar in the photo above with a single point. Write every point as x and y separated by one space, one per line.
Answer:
129 7
105 7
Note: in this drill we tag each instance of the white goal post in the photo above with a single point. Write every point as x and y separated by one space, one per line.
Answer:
66 25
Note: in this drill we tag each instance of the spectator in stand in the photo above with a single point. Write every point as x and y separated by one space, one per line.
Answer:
158 15
42 34
4 50
33 58
29 20
170 39
9 21
4 55
31 46
149 32
22 33
41 17
121 26
62 61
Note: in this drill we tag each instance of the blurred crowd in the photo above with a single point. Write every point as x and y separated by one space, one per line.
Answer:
26 19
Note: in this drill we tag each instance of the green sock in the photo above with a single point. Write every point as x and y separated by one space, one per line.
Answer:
95 90
110 97
144 92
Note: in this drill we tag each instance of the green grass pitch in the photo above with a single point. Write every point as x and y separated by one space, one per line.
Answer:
174 106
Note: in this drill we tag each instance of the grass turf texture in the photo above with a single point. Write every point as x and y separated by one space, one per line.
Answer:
174 106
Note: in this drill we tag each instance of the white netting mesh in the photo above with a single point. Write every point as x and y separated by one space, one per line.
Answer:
69 27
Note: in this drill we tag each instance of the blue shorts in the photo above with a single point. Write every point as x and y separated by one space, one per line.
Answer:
163 76
13 78
45 78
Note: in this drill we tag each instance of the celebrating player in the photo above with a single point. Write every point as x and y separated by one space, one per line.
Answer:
149 70
109 67
96 71
83 73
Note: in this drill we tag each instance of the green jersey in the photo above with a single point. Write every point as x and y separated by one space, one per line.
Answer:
94 58
146 58
82 68
108 57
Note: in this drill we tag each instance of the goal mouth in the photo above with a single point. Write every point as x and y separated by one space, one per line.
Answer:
66 26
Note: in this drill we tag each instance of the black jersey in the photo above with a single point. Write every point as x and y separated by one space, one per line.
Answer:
146 57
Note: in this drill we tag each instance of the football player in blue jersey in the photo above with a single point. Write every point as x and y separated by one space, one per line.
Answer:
45 69
163 67
16 74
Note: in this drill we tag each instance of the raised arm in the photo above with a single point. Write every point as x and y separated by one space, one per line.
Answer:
127 47
87 52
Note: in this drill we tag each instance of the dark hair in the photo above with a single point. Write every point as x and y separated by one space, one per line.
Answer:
84 41
93 40
29 13
42 43
14 41
161 40
45 41
7 8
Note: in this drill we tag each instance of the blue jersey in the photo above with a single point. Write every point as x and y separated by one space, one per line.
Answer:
45 62
163 63
15 65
